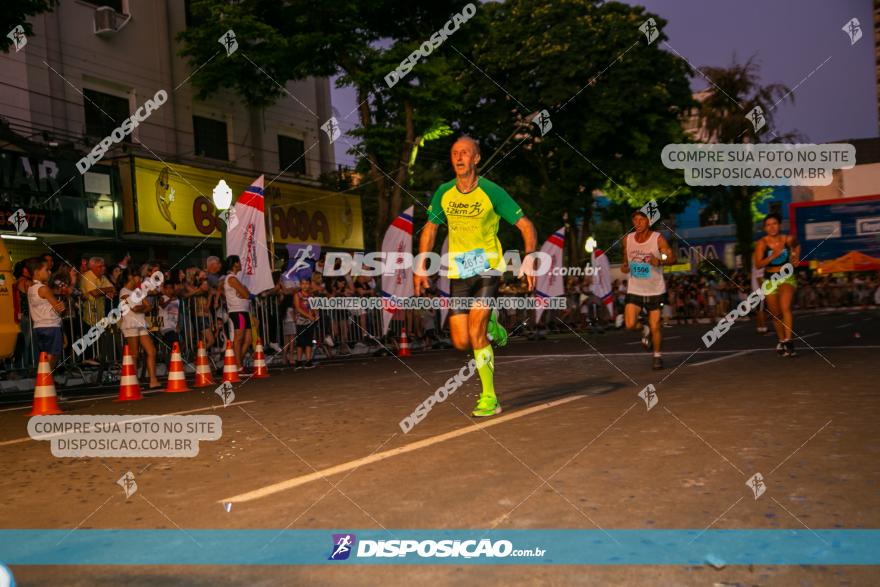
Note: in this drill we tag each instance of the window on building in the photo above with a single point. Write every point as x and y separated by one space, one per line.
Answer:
291 155
104 112
210 138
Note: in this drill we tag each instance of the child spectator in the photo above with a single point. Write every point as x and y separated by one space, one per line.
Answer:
169 314
134 324
45 310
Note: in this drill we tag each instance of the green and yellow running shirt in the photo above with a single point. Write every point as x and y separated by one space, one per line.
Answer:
472 219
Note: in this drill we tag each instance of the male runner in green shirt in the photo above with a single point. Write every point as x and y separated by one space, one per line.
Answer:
471 207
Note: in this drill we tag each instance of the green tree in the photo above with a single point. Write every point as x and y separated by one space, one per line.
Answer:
359 41
733 93
613 99
16 12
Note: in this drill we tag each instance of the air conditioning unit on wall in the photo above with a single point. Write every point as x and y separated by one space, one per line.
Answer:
106 21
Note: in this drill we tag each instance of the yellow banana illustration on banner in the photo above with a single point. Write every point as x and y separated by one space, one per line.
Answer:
165 196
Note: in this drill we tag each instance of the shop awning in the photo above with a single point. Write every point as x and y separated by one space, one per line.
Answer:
852 261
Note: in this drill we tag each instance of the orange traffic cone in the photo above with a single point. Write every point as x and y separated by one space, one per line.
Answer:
176 376
45 401
230 369
404 345
203 368
129 388
261 371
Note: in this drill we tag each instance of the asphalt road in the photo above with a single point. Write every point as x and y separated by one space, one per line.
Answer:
576 447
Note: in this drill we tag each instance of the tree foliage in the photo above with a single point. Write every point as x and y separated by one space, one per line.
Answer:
360 42
613 99
16 12
733 93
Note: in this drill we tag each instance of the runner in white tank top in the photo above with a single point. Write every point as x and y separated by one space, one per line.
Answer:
238 304
645 279
644 254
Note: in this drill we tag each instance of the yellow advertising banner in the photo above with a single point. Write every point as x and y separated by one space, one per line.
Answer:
176 200
677 268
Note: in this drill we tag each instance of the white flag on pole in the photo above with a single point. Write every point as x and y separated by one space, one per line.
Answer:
601 285
397 280
247 239
550 284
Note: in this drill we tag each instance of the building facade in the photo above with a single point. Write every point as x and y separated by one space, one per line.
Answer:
88 67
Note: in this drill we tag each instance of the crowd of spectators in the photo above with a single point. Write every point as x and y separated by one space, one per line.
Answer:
692 298
193 306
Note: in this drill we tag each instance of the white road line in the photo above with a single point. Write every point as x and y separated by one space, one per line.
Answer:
335 470
145 418
844 325
720 358
808 335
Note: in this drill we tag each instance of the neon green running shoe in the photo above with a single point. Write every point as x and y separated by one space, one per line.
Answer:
487 406
496 331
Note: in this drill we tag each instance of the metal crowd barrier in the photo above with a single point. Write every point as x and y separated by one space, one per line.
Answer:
337 332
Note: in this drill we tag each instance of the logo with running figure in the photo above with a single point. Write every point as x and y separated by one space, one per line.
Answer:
229 42
19 39
301 260
853 30
649 29
464 209
756 117
651 211
649 395
331 127
756 484
542 121
343 544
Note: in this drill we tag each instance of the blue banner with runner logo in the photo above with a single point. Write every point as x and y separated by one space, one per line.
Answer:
456 547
